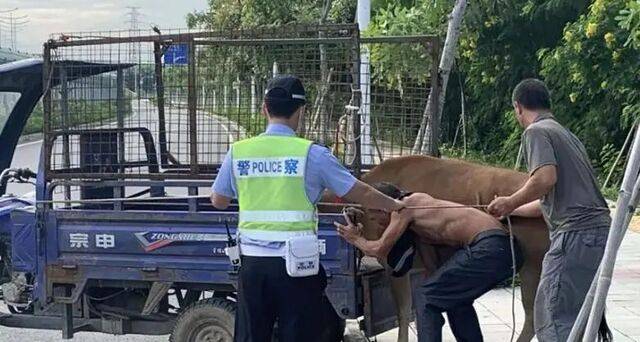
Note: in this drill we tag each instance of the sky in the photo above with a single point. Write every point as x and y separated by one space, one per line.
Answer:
54 16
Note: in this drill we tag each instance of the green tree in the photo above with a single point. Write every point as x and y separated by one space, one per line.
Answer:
498 48
594 79
233 14
630 20
395 19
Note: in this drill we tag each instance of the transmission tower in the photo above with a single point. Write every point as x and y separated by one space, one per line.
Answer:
9 21
133 18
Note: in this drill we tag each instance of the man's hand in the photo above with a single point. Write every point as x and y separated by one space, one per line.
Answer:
353 234
501 206
350 233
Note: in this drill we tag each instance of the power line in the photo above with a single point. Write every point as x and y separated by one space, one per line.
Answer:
14 24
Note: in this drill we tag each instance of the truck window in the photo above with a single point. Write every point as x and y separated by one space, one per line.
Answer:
7 102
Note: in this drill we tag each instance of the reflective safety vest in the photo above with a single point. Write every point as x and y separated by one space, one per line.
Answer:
270 180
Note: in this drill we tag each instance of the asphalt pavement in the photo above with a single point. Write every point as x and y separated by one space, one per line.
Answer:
214 135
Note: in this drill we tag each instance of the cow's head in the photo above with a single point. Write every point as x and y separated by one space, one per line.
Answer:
374 221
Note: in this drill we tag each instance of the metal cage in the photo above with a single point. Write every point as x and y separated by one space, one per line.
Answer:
168 105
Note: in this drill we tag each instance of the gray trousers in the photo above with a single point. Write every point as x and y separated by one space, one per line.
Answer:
567 271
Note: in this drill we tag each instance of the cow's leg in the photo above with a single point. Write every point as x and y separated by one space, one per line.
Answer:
534 243
401 292
530 277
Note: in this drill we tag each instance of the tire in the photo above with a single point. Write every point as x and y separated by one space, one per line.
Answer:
210 319
214 318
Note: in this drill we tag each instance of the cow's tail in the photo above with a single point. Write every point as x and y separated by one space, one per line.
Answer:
604 333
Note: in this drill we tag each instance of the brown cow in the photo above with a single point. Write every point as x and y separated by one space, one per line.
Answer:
472 184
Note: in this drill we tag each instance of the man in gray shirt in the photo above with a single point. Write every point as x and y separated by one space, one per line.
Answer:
563 189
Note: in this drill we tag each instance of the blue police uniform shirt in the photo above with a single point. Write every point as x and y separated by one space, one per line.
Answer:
323 171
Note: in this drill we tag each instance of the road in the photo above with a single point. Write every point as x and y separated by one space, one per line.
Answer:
215 134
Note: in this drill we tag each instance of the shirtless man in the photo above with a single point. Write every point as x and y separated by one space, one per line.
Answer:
482 261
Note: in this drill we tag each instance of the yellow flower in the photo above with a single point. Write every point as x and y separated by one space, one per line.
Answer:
577 46
576 77
573 97
598 6
592 29
609 39
568 35
615 56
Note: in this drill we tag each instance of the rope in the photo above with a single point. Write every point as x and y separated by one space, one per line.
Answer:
151 199
513 279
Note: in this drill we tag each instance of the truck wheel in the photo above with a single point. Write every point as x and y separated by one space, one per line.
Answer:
208 320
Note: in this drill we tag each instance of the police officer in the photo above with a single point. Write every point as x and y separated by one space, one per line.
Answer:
563 189
277 179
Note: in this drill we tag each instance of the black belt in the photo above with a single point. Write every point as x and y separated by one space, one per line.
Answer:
489 233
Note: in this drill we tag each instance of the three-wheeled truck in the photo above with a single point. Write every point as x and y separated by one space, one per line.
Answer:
120 237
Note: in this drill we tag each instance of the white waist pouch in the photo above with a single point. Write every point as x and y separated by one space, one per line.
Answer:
302 256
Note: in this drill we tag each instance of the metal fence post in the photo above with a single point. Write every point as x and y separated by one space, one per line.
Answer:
192 99
627 201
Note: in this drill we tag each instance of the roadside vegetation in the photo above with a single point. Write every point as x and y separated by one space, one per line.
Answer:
586 51
81 112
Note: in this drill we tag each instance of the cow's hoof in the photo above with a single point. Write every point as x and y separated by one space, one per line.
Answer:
353 333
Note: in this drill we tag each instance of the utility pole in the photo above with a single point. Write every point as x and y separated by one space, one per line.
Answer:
363 15
133 20
13 23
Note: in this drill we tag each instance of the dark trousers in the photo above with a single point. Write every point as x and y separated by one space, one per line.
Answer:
467 275
267 294
567 271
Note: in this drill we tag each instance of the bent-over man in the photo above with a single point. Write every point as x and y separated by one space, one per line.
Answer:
482 261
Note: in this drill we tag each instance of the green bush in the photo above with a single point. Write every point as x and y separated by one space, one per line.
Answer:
594 79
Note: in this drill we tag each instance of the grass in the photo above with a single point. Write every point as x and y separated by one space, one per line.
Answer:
253 123
81 112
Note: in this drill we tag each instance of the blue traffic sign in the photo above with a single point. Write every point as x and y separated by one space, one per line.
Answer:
177 54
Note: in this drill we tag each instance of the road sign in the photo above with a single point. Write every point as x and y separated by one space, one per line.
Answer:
177 54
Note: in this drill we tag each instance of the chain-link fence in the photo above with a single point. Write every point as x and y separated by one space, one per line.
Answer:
395 93
121 105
